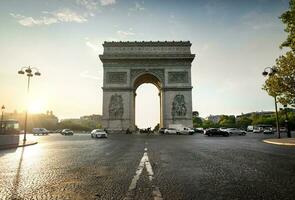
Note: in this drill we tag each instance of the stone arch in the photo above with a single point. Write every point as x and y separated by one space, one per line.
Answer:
147 77
127 65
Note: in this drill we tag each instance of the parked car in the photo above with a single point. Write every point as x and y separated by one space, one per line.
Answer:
199 130
257 130
162 130
98 133
215 131
250 128
235 131
170 131
67 132
268 131
40 131
185 131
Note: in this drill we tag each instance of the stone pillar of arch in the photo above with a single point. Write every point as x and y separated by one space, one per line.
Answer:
127 65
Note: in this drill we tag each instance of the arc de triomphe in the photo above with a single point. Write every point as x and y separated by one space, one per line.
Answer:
127 65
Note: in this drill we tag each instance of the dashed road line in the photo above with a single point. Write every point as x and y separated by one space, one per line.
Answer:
144 162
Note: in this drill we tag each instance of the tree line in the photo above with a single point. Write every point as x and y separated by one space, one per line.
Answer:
244 121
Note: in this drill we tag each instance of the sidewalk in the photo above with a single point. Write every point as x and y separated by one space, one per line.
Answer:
20 144
282 141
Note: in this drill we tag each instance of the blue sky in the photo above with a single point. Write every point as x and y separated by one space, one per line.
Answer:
234 40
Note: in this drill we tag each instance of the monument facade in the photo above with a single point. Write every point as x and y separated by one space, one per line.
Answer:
127 65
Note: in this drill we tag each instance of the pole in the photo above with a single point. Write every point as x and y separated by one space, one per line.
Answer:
277 118
287 123
2 121
26 117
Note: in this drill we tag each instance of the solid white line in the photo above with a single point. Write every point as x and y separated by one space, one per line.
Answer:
144 162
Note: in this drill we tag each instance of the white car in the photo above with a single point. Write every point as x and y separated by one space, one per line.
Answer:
98 133
170 131
236 131
40 131
185 130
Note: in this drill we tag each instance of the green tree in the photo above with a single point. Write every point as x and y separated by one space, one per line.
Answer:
288 18
243 122
282 83
227 121
197 122
209 124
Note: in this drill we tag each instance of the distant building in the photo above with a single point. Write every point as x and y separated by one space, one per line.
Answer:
92 117
214 118
262 113
40 120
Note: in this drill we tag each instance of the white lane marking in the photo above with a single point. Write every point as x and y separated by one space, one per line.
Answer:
144 162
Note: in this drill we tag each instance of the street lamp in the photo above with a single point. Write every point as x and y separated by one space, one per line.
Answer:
270 71
30 72
2 110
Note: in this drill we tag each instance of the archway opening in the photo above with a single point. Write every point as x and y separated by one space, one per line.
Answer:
147 106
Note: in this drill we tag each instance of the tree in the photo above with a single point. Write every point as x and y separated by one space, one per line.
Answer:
197 122
282 83
288 18
243 122
227 121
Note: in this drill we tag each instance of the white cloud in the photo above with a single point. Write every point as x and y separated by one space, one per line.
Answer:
60 16
88 4
85 74
137 7
107 2
125 33
67 15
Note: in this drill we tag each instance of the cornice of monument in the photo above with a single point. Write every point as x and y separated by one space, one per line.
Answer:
146 56
145 43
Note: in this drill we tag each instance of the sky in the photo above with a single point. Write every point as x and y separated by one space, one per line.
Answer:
234 40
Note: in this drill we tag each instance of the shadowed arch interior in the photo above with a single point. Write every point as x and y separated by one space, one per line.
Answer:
147 78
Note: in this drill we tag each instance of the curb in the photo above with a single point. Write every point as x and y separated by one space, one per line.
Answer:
279 143
12 146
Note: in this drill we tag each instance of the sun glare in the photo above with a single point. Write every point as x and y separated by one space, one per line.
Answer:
36 106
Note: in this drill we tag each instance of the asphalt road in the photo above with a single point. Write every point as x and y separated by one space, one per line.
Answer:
148 167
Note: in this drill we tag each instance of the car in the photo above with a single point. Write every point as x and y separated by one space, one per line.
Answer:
257 130
67 132
235 131
40 131
198 130
185 130
215 131
98 133
170 131
162 130
268 131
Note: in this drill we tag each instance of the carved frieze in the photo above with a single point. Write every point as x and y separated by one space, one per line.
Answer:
116 108
178 106
116 77
178 77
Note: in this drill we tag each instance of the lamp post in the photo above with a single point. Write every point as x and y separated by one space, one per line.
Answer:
270 71
2 110
30 72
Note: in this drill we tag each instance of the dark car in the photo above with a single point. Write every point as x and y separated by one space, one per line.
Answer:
215 131
198 130
162 130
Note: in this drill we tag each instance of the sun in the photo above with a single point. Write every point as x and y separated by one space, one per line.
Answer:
36 106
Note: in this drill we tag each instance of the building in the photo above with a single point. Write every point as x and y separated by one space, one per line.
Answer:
48 120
